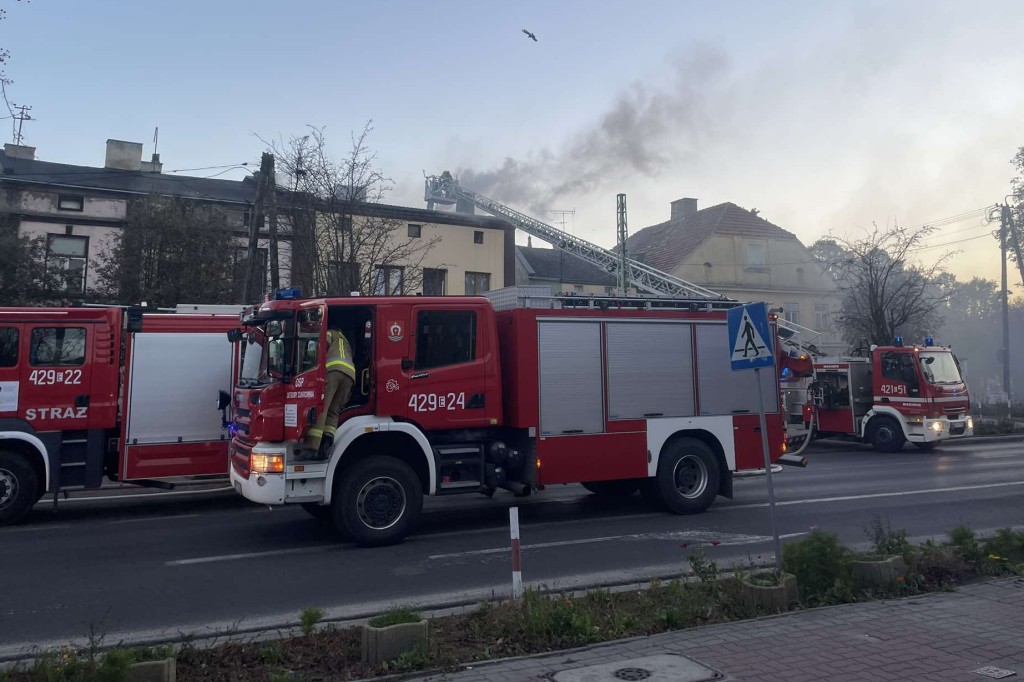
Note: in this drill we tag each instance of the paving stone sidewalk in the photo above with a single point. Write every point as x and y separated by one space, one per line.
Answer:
944 636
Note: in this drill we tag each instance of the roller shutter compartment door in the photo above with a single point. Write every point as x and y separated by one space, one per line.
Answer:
723 391
650 370
571 387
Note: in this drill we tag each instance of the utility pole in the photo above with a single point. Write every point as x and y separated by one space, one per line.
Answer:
271 196
21 117
622 231
1003 229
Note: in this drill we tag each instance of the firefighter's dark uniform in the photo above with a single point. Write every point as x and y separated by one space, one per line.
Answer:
341 377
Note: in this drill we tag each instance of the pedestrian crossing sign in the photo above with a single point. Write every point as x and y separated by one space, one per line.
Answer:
750 338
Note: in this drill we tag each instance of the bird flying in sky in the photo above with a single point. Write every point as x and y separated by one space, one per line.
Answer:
530 35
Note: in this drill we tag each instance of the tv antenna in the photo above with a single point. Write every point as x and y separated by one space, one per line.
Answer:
562 213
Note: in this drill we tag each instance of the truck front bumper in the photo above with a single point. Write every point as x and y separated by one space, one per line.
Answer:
961 428
263 488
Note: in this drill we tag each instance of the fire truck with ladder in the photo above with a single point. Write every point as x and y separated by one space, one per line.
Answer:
520 390
94 392
883 395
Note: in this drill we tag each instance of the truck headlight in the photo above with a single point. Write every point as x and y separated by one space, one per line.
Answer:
266 464
936 426
970 422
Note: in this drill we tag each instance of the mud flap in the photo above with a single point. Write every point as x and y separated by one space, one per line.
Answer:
725 484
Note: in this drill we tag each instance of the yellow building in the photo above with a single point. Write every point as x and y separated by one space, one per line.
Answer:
406 251
735 252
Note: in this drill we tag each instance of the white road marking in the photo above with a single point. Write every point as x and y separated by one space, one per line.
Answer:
42 526
250 555
725 539
869 496
155 518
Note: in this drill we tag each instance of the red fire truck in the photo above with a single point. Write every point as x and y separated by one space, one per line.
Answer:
888 396
465 395
88 392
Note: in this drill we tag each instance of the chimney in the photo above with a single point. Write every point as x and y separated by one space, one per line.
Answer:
153 166
124 155
683 208
18 151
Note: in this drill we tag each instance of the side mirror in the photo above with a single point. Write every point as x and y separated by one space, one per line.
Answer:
234 335
223 400
134 319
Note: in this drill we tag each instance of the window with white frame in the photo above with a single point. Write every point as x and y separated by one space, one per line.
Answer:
821 316
792 311
70 202
755 256
67 259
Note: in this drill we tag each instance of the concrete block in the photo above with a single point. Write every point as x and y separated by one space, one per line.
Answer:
771 598
870 575
388 643
154 671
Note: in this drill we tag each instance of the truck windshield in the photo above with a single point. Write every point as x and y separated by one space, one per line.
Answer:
263 354
940 368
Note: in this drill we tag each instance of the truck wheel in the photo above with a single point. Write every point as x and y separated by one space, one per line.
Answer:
19 487
886 435
378 501
320 512
687 479
623 488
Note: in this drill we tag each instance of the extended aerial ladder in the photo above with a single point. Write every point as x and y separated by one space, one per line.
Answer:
444 189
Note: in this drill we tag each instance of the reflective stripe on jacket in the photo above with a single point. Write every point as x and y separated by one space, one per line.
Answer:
339 354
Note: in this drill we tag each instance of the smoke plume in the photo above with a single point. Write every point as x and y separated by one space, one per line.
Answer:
646 129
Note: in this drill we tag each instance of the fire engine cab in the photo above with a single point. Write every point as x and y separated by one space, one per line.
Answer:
462 395
94 392
889 396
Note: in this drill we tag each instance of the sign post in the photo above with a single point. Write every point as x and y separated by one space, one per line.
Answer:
751 347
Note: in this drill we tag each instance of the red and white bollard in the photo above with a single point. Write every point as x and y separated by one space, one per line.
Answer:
517 559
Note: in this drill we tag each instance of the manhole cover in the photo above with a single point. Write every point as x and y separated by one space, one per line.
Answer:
631 674
994 672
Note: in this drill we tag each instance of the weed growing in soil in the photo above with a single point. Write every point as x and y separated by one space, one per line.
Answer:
397 616
309 618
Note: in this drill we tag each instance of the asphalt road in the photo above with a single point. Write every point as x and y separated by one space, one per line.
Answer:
199 564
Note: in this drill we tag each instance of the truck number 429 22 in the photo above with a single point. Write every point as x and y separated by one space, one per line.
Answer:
50 377
432 402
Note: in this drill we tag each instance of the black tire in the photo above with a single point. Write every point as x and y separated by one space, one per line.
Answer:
378 501
320 512
19 487
886 435
927 447
622 488
688 477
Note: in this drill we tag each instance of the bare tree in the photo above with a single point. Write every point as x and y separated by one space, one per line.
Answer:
344 239
885 292
171 251
25 278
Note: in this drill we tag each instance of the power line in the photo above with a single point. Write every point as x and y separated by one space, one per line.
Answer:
958 241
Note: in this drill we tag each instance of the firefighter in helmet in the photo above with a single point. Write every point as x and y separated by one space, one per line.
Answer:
341 377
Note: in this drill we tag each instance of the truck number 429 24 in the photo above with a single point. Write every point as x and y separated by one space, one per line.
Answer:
51 377
432 402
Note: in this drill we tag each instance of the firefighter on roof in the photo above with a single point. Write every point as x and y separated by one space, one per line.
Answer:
341 377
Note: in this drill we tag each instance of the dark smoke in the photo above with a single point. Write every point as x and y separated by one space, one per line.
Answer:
646 130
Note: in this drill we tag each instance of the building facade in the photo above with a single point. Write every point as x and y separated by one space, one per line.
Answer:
79 209
733 251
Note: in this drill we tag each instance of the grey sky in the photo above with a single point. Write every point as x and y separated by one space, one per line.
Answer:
824 116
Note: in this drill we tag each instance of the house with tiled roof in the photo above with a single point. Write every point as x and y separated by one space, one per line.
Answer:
561 271
736 252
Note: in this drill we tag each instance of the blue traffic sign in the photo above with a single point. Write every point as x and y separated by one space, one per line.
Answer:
750 337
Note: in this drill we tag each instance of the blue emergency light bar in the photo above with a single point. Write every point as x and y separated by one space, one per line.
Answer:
286 294
898 342
929 341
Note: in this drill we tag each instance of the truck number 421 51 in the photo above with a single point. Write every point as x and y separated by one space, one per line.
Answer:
432 402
